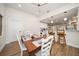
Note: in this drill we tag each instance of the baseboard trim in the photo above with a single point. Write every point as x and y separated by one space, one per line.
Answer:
73 45
1 48
10 42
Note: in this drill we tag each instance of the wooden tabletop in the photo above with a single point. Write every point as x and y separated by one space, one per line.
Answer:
30 46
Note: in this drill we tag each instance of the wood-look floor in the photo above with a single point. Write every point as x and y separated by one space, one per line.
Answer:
64 50
12 49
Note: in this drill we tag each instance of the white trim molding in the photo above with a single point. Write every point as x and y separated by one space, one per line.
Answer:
76 46
1 47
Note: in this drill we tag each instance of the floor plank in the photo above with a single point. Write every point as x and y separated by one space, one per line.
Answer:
13 49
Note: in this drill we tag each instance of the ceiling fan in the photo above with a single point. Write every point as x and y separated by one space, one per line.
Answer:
39 4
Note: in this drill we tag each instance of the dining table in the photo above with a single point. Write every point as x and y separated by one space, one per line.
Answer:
33 46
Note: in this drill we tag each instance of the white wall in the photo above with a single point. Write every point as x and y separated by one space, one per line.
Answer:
18 20
2 37
72 38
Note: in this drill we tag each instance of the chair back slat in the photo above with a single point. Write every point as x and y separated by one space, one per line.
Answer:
46 46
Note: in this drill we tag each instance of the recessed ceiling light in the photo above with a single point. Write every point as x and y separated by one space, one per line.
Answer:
65 19
19 5
51 21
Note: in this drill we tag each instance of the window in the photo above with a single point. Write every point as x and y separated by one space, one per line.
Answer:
0 25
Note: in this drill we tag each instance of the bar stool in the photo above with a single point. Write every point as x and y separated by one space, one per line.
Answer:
61 36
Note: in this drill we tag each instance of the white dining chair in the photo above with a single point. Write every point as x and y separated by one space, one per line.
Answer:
45 46
21 45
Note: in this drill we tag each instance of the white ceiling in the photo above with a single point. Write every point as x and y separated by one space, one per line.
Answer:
34 9
59 18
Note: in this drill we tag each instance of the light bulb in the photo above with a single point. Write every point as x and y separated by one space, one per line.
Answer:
19 5
51 21
65 19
